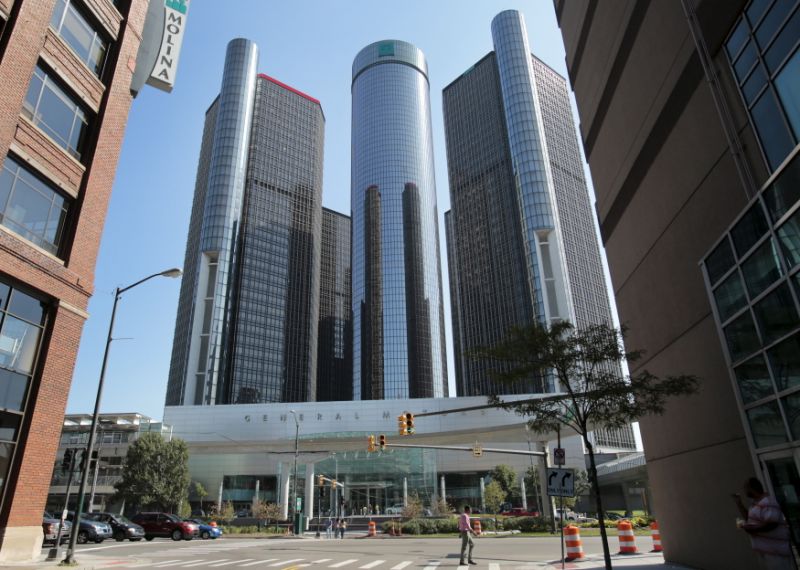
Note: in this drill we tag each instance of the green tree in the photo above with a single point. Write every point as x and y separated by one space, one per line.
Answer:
199 492
505 477
586 365
582 487
155 473
265 511
494 496
532 486
413 508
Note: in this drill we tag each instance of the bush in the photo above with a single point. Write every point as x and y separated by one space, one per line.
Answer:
411 527
527 524
448 525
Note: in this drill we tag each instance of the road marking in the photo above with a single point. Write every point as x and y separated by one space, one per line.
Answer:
231 562
258 562
345 563
433 565
463 567
321 560
203 562
372 564
181 563
155 563
282 562
494 567
401 565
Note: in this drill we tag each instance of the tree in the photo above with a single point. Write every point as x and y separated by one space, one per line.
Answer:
505 476
494 496
413 508
200 492
531 478
156 473
226 513
594 393
265 511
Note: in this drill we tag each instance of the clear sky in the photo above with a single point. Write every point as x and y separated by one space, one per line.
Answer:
310 45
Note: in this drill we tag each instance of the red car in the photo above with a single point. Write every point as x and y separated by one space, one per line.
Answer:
520 512
165 525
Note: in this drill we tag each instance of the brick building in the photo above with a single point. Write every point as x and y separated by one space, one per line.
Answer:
65 77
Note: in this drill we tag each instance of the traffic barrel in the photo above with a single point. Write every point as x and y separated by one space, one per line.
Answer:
476 526
656 535
627 540
371 531
572 540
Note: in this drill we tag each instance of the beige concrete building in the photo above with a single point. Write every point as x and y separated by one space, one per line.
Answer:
689 113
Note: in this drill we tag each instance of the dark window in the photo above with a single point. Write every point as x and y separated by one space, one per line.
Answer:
785 361
784 192
81 35
776 314
742 337
753 379
749 229
761 269
30 207
57 113
719 261
766 425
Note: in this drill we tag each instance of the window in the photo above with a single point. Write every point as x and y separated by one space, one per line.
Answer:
742 337
753 380
766 425
785 361
30 207
56 113
776 314
74 28
764 55
761 269
730 297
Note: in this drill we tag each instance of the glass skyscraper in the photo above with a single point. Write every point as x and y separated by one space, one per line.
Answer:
246 330
398 318
521 235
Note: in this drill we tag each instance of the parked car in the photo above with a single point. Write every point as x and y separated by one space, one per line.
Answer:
568 515
90 530
396 509
206 530
165 525
520 512
121 527
614 517
50 525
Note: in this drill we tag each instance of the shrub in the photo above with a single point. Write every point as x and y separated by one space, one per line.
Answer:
411 527
448 525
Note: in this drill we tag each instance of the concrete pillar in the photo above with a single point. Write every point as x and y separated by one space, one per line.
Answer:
405 491
522 491
284 487
547 507
483 496
308 507
219 498
443 490
255 495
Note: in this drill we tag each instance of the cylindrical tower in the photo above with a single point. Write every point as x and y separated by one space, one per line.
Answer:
398 337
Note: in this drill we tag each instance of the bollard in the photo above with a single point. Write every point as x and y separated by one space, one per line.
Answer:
572 540
627 540
371 531
476 526
656 535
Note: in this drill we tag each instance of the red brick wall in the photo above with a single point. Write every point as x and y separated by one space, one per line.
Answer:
68 281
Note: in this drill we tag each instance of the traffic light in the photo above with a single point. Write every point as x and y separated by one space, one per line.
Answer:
93 462
371 443
382 442
321 480
66 463
82 460
410 423
333 483
402 428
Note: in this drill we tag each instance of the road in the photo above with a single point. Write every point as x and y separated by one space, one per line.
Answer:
352 553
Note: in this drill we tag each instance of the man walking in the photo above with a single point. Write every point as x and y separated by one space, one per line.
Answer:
766 525
465 529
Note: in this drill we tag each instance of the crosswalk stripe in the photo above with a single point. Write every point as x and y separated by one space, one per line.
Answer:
345 563
258 562
155 563
462 567
432 565
282 562
181 563
494 567
321 560
231 562
372 564
401 565
202 562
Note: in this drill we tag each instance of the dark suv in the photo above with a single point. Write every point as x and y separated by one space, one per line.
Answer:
165 525
120 526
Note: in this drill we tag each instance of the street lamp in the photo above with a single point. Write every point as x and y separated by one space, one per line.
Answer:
70 558
294 485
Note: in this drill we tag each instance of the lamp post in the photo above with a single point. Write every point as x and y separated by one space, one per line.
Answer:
294 483
70 558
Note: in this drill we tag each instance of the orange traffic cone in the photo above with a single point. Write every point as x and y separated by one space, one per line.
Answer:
627 540
656 534
572 540
476 526
371 531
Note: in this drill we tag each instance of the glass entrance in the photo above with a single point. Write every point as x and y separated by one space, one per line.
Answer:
785 480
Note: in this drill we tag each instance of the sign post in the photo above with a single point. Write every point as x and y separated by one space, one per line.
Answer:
561 483
559 456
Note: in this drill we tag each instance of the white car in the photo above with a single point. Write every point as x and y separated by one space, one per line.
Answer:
568 515
395 509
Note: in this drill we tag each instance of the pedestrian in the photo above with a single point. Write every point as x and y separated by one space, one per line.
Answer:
343 528
764 522
329 529
465 529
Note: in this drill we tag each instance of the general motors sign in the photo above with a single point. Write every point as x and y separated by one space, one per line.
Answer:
159 52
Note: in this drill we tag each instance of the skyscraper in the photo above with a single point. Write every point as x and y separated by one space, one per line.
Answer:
521 237
335 352
398 317
246 329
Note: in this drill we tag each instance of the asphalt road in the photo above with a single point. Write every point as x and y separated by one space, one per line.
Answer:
349 554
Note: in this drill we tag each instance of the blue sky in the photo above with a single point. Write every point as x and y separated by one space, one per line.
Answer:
308 44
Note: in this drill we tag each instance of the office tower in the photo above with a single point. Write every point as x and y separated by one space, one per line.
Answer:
689 118
398 318
64 102
335 352
246 330
521 237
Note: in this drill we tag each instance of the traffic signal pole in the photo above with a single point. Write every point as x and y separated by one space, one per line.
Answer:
55 552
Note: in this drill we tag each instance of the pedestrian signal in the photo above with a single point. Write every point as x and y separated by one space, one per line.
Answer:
66 463
382 442
410 423
402 428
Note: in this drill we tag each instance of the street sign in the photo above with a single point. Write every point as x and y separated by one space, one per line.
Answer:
561 482
299 505
559 456
477 450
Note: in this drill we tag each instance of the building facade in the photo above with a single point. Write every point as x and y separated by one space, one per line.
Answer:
521 234
246 329
65 82
697 208
115 434
335 349
398 316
